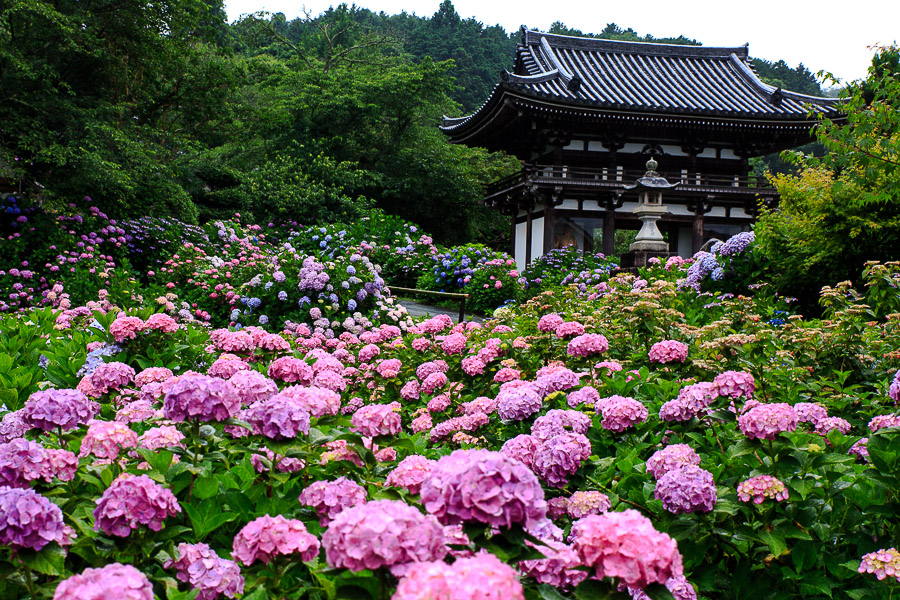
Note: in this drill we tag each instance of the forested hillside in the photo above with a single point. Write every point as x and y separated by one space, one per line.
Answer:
168 109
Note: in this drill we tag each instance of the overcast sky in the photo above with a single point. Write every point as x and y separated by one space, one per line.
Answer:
829 35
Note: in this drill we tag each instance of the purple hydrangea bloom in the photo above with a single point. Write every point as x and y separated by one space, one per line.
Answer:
384 533
21 462
671 457
410 473
13 426
483 486
132 501
518 400
522 448
202 398
203 569
97 584
561 456
691 402
765 421
29 520
374 420
278 418
556 380
808 412
686 489
268 537
735 384
58 409
620 413
331 497
587 344
557 422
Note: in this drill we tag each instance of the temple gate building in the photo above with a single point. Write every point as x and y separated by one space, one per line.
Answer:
584 116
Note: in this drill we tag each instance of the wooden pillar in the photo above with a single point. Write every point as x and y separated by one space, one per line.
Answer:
528 237
549 226
697 236
609 231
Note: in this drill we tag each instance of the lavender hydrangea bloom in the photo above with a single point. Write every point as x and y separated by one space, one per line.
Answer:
522 448
13 426
132 501
557 422
620 413
96 584
737 244
686 489
199 566
58 409
29 520
561 456
671 457
21 462
483 486
518 400
384 533
278 418
202 398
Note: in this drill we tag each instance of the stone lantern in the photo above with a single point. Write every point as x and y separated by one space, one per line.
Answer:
650 209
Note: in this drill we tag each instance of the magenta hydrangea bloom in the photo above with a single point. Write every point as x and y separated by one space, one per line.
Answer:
824 426
671 457
374 420
626 545
383 533
557 422
549 323
761 487
620 413
881 421
808 412
584 503
680 588
483 486
291 370
266 538
691 402
97 584
132 501
252 386
687 489
111 376
455 343
735 384
279 418
60 464
105 439
555 380
201 398
560 457
586 396
410 473
882 563
203 569
21 462
29 520
65 409
329 498
317 401
589 344
765 421
480 577
518 400
668 351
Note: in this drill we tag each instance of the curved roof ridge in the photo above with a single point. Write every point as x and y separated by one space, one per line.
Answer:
768 91
531 37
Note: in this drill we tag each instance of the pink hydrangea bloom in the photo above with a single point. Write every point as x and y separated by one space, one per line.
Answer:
881 421
522 448
318 402
588 344
281 417
105 439
200 567
483 486
389 368
555 379
273 343
481 404
458 424
620 413
63 409
282 464
29 520
111 376
136 412
507 374
383 533
410 390
735 384
765 421
761 487
13 426
162 437
96 584
252 386
830 424
808 412
59 464
374 420
330 380
329 498
557 569
433 382
569 329
266 538
668 351
549 323
410 473
671 457
427 368
132 501
439 403
882 563
473 365
480 577
626 545
860 450
557 422
226 366
454 343
202 398
161 322
126 328
291 370
584 503
586 396
21 462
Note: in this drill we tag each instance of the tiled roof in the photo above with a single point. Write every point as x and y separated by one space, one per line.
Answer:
643 77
